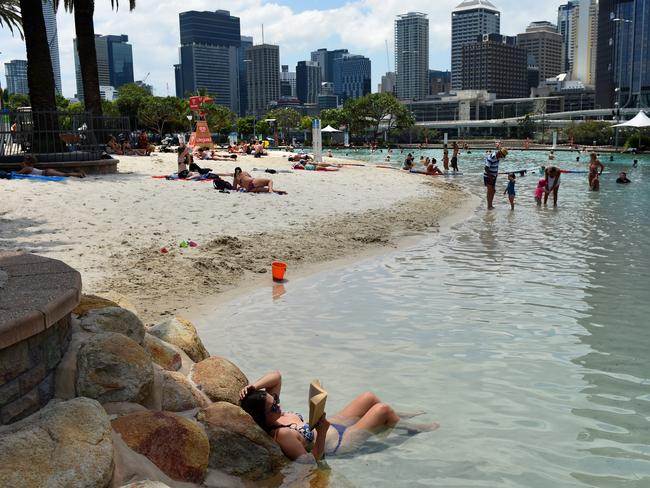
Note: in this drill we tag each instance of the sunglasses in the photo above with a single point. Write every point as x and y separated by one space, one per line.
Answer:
275 408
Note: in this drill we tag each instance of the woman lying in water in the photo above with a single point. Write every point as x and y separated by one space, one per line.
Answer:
365 416
255 185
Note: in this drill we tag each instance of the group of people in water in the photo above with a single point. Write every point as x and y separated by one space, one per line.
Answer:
547 186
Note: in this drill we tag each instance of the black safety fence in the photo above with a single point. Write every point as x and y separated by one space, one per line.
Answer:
58 135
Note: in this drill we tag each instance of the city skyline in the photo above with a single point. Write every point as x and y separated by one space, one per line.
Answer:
361 28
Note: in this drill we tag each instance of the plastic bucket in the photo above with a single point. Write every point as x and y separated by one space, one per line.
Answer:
278 269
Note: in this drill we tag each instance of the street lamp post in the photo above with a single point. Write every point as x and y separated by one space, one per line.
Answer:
619 56
189 120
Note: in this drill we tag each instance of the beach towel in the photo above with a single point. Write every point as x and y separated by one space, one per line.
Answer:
18 176
319 169
4 175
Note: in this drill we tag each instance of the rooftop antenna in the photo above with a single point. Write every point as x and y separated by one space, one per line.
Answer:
262 33
387 56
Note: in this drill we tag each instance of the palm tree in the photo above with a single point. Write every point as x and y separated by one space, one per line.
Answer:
85 30
10 15
40 76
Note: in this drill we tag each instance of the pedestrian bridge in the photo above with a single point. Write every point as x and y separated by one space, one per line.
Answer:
552 120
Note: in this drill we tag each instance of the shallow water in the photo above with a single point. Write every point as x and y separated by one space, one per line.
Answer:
524 334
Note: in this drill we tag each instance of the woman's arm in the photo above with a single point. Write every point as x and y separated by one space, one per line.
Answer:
271 382
321 434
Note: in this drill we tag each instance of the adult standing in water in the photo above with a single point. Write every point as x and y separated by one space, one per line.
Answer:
454 156
491 172
596 169
552 175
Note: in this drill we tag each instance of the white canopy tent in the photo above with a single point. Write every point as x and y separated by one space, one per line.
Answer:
640 121
330 129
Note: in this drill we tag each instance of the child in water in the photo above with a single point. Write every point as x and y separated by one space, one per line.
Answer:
510 190
539 191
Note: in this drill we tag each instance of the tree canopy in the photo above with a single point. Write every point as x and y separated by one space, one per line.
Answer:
155 113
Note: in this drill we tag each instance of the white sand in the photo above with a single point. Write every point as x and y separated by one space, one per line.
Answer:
111 227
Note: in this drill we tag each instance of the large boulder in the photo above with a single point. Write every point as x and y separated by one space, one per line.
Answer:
181 333
64 445
179 394
92 302
178 446
113 319
219 379
162 353
238 445
113 368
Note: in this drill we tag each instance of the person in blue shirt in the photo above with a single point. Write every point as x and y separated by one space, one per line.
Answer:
491 172
510 190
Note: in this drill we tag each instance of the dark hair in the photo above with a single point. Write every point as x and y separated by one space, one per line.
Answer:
513 175
30 159
237 171
254 404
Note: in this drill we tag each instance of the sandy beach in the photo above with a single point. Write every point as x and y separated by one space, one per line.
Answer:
112 227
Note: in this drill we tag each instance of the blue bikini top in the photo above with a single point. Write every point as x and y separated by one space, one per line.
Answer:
305 431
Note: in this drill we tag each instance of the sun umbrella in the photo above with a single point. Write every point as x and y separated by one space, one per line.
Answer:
329 128
639 121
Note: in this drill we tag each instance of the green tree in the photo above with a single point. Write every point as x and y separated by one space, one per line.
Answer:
246 126
377 109
110 109
62 103
157 112
285 119
10 16
219 117
336 117
526 126
589 131
129 99
263 128
17 100
305 123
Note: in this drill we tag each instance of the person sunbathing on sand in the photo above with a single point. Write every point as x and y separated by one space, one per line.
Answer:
28 169
253 185
343 433
432 168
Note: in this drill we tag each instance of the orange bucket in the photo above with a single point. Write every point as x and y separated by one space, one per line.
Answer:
278 270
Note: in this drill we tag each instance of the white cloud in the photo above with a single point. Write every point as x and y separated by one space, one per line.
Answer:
362 26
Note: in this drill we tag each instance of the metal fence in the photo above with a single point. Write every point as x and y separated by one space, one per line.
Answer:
57 135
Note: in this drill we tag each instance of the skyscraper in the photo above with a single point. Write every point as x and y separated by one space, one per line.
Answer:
53 42
308 81
246 42
412 56
210 57
114 62
544 46
325 60
16 73
287 82
584 36
387 84
565 19
495 63
623 54
470 19
263 77
352 76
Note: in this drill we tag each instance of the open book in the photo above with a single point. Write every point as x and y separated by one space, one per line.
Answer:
317 399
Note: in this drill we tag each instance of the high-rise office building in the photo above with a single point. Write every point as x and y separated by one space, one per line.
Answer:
470 19
325 60
114 62
623 54
584 38
544 46
308 81
439 82
210 57
352 76
53 42
412 56
263 77
495 63
327 99
246 42
565 19
16 73
387 84
287 82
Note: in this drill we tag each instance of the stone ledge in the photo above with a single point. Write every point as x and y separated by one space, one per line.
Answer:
36 293
99 166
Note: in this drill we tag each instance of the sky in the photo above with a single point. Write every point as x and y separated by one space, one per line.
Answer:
298 27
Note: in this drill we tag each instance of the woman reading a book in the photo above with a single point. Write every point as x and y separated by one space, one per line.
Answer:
364 416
